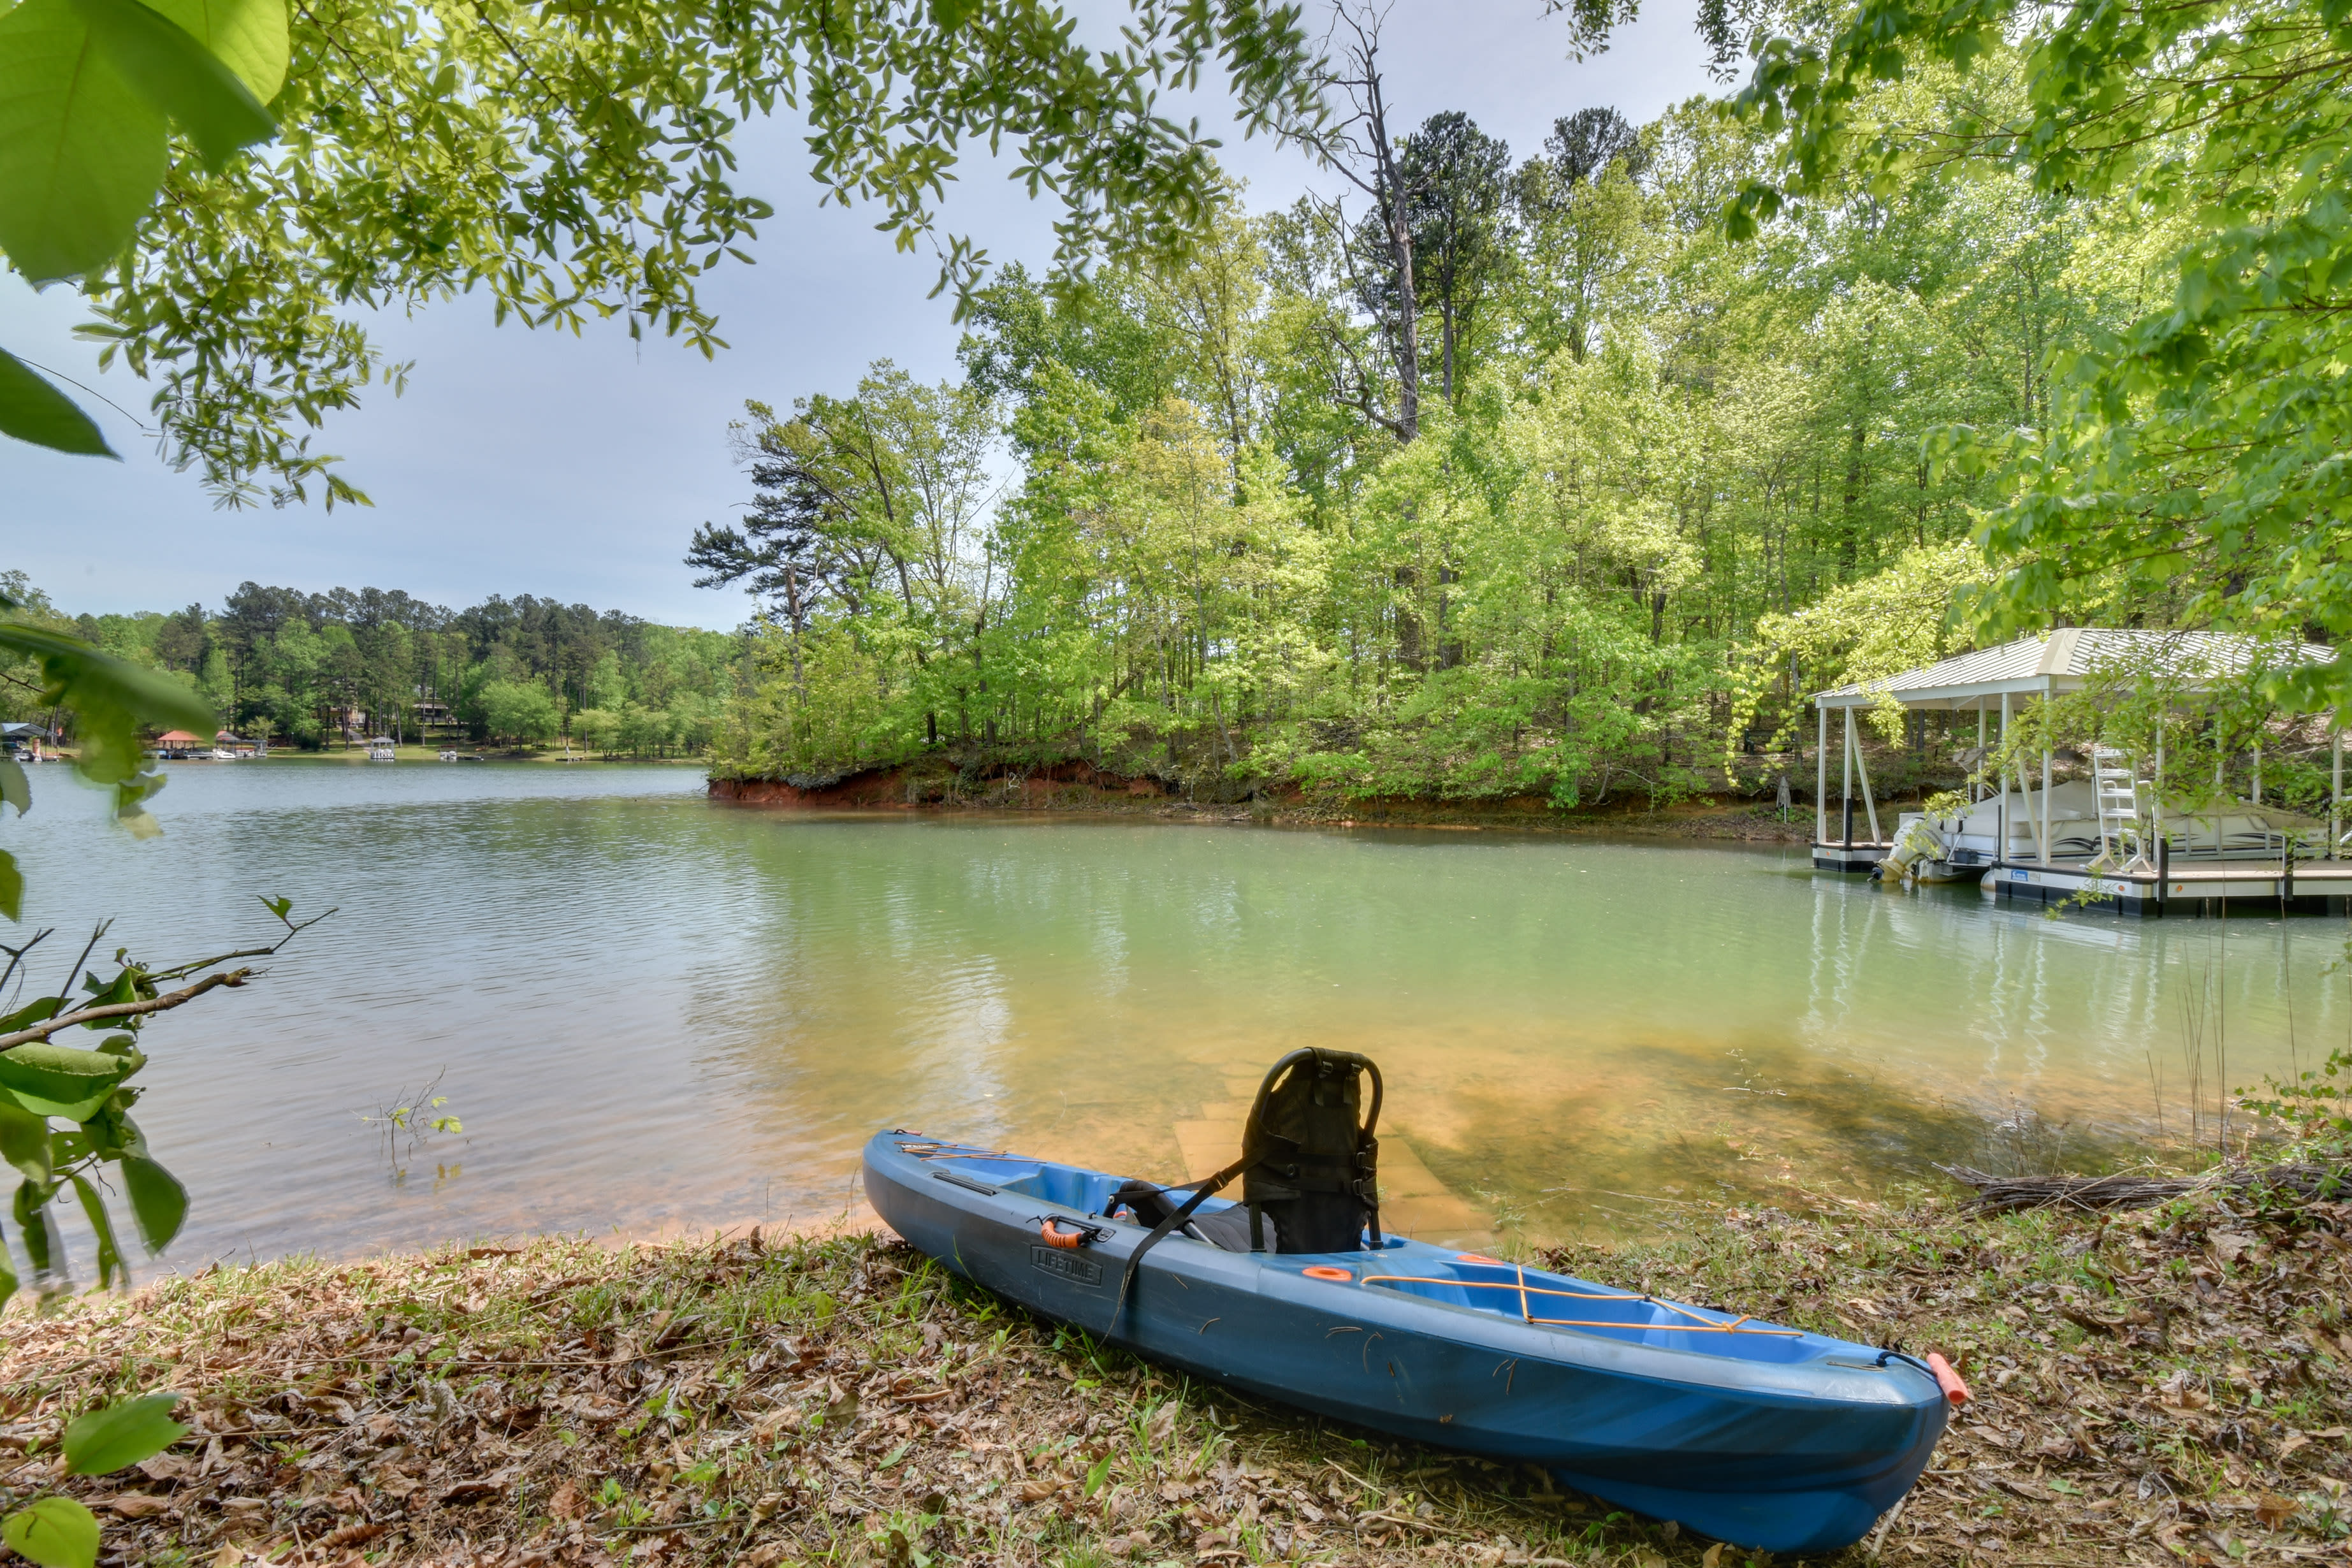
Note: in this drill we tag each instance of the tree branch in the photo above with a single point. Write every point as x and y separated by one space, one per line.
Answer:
162 1003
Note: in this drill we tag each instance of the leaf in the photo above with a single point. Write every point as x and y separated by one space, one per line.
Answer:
33 1012
178 75
60 1080
111 696
248 36
123 1434
44 1247
15 789
81 153
32 410
24 1141
111 1271
158 1201
12 888
7 1272
54 1531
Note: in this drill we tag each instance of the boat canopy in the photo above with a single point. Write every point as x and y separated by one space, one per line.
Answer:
1993 680
2066 660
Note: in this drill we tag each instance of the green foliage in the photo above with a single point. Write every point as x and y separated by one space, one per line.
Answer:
513 711
58 1532
1897 620
158 1201
311 669
82 149
2193 453
2313 1108
113 700
173 69
43 1082
1681 485
58 1080
54 1531
122 1435
577 164
86 89
32 410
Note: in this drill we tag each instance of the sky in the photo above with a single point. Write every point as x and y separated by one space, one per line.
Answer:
575 468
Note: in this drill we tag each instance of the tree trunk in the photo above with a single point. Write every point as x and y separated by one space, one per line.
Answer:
1850 546
1408 624
1447 311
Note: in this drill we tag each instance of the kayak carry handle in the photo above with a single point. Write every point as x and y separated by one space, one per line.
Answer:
1055 1237
1947 1380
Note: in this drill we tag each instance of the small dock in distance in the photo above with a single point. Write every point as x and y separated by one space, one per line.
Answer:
2132 844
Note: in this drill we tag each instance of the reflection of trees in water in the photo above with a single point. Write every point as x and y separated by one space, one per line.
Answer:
2062 1014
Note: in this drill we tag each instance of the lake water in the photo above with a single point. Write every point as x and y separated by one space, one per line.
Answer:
651 1012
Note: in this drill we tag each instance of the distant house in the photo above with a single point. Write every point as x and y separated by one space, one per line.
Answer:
24 740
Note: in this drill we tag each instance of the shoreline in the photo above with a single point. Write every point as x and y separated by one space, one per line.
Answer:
406 753
1081 792
2159 1386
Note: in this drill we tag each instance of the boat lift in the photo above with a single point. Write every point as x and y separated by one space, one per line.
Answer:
2107 835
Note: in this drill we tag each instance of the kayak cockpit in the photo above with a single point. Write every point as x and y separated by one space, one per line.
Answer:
1488 1286
1560 1301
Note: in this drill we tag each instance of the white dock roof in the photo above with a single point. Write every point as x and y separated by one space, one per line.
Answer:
2060 661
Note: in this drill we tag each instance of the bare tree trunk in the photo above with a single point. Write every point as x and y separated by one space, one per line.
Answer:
1385 184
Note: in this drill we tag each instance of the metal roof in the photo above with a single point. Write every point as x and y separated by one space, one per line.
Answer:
2066 660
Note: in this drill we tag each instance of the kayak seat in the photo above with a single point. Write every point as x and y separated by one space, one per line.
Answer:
1308 1169
1309 1158
1226 1229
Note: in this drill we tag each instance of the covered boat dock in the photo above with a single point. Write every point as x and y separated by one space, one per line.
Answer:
2126 836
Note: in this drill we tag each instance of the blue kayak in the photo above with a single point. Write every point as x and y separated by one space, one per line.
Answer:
1765 1437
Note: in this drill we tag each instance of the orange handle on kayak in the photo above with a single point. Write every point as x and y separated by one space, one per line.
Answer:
1055 1238
1947 1380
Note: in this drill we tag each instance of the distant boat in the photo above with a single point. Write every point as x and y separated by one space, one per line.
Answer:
380 750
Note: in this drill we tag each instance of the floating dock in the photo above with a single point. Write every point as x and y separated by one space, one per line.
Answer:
2111 839
2309 887
1842 856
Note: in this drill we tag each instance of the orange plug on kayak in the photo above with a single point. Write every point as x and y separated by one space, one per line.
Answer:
1057 1238
1947 1380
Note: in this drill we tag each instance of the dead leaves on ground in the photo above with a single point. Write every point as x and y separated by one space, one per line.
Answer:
2170 1389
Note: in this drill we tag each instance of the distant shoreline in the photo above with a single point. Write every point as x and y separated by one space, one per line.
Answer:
358 754
897 790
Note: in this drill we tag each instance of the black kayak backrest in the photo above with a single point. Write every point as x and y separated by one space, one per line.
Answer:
1306 1160
1305 1165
